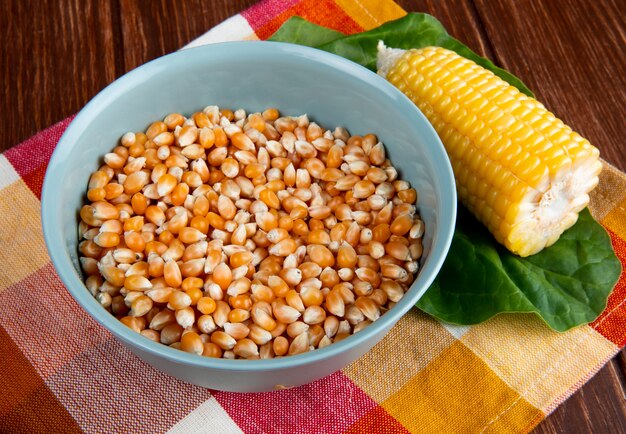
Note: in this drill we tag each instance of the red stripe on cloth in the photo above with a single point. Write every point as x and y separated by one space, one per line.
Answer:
612 323
34 179
377 420
30 158
265 11
46 323
108 389
329 405
322 12
27 404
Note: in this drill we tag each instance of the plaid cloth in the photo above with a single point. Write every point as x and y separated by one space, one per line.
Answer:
62 372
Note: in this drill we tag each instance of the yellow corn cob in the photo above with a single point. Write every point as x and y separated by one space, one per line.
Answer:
521 171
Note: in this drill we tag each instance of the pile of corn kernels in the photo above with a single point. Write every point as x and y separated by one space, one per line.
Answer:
248 236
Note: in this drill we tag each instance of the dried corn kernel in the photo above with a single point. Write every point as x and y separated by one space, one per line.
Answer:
255 238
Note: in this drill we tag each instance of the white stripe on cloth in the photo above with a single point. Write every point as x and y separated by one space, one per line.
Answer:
8 175
235 28
209 417
455 330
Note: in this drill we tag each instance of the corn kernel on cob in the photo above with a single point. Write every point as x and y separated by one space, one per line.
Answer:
521 171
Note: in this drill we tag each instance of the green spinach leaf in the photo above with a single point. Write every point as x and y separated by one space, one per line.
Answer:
566 284
297 30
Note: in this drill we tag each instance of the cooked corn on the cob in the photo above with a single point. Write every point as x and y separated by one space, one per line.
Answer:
521 171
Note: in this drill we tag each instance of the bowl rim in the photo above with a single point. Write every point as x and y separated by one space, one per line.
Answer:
63 265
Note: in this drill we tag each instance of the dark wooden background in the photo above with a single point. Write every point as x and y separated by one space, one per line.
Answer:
56 55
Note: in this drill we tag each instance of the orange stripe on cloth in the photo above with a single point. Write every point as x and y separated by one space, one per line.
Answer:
611 190
110 390
612 323
378 421
21 231
458 392
323 12
27 404
49 327
371 13
30 158
558 360
615 220
408 348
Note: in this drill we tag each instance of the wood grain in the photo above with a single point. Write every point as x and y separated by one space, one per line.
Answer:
460 19
153 28
54 57
597 407
58 55
571 54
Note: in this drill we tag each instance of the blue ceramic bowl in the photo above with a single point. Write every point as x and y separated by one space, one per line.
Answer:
250 75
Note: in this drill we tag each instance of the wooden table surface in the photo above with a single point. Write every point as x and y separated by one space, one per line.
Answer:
56 55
